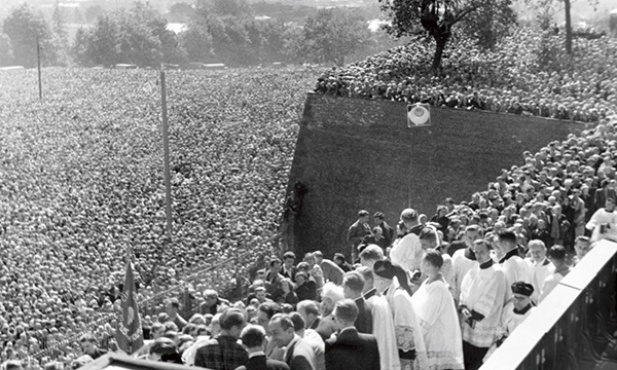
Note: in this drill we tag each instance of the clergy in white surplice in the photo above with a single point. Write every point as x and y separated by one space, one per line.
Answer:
482 299
540 267
438 317
383 323
463 260
515 267
391 281
514 313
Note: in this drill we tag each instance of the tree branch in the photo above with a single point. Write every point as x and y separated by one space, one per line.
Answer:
464 13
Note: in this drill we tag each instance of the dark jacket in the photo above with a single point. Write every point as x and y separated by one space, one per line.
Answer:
364 322
308 290
352 350
262 363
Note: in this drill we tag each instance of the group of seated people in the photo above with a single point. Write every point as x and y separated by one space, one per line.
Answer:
474 79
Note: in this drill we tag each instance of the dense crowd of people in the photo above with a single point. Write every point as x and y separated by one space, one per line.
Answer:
81 181
81 187
446 290
510 79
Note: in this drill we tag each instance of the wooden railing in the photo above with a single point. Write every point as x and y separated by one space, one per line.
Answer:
574 326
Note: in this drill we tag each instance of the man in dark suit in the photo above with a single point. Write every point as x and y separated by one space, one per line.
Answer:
254 340
357 232
606 190
387 230
353 285
350 349
299 355
289 270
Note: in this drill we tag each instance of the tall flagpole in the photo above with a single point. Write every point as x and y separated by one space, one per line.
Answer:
38 62
166 155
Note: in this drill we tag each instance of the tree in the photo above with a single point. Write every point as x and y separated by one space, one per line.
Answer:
438 17
101 45
24 27
60 39
93 13
332 34
196 42
180 12
6 50
230 7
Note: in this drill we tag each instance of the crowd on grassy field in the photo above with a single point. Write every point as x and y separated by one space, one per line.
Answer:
81 181
81 184
446 290
511 79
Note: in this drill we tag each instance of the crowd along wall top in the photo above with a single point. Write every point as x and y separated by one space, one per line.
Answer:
354 154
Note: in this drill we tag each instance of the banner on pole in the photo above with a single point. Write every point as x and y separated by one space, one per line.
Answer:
129 335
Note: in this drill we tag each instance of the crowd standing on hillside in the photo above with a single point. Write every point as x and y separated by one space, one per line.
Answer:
446 290
503 81
71 207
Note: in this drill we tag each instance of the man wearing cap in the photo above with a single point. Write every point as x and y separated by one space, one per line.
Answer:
517 309
357 232
381 313
514 313
407 251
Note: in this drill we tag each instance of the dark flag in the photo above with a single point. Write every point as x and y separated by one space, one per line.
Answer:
129 335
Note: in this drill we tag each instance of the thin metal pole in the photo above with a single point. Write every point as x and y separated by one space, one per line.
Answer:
38 61
166 155
568 27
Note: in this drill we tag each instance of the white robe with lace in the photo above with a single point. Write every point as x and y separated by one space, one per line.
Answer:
438 318
406 327
383 330
483 290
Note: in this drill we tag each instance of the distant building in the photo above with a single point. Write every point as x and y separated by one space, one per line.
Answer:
177 28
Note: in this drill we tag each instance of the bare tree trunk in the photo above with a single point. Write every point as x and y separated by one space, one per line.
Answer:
441 44
568 27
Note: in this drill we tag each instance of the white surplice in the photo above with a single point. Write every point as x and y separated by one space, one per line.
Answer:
406 327
483 290
383 330
438 318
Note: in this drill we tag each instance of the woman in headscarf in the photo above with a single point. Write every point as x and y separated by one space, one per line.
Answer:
391 281
438 317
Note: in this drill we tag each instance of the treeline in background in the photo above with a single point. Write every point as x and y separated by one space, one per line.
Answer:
232 32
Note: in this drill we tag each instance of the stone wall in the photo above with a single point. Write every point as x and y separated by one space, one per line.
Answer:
357 154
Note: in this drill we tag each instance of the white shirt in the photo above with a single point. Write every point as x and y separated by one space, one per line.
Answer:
407 252
460 266
539 271
601 216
